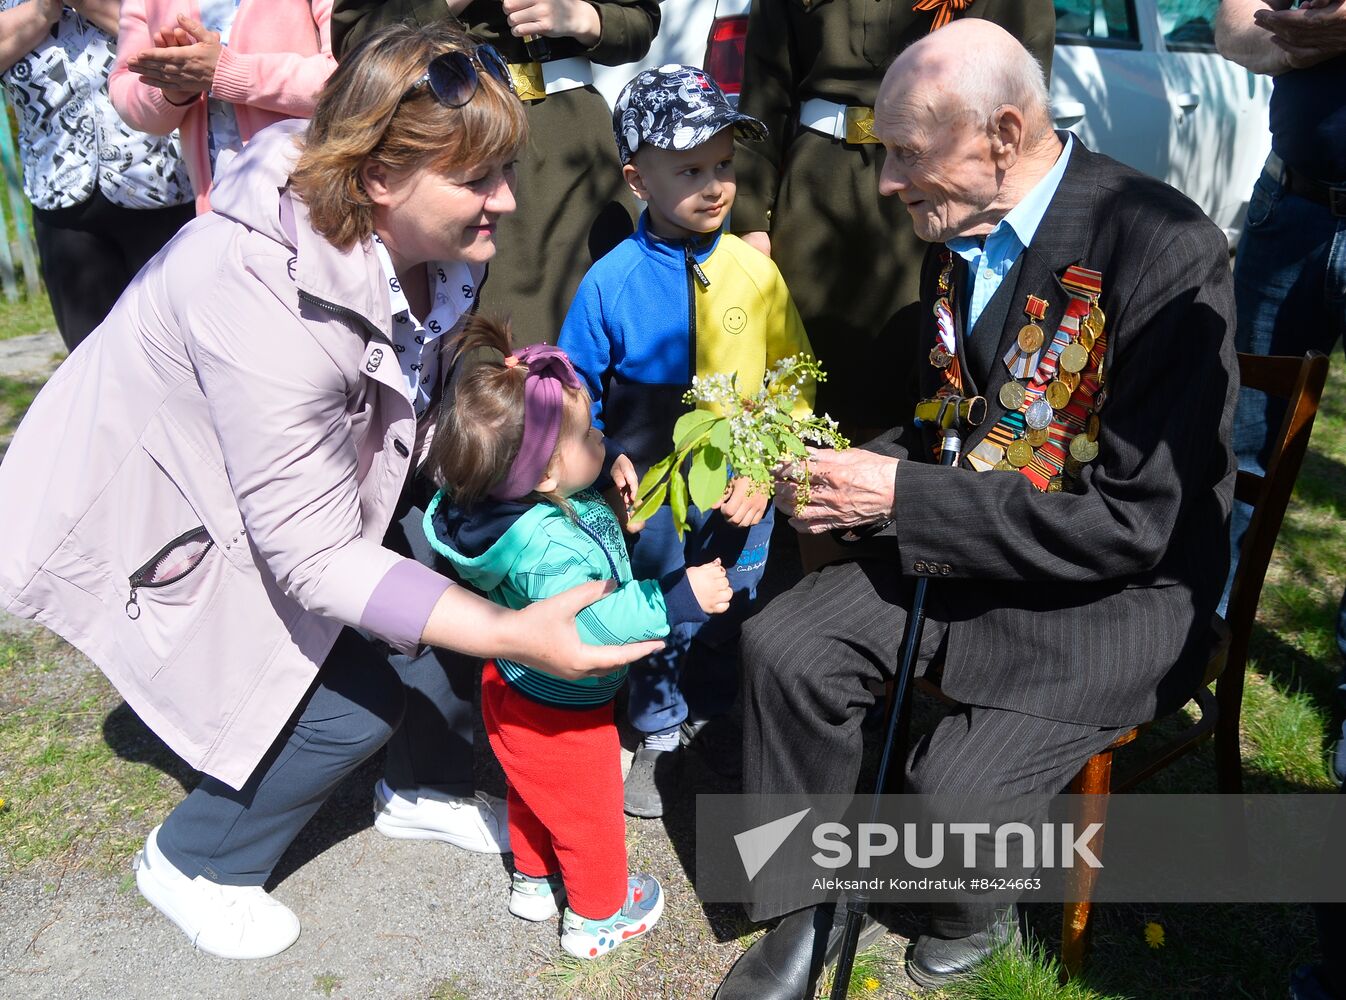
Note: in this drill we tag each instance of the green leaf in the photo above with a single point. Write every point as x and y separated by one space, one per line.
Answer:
708 476
646 508
677 501
651 478
692 425
793 445
720 437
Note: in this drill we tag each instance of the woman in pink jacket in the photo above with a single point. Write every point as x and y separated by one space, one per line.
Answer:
219 71
201 498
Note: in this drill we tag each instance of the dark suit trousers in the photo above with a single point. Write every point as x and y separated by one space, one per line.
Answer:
807 660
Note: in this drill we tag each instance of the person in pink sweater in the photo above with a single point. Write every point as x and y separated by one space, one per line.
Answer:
218 71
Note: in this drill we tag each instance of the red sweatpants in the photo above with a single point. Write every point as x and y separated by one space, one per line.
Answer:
565 793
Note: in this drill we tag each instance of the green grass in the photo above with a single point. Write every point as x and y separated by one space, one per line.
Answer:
57 763
26 316
1013 974
613 977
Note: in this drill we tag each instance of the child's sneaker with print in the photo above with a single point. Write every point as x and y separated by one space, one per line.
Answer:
536 898
591 938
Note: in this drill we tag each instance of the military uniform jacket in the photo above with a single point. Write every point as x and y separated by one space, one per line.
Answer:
849 255
1092 606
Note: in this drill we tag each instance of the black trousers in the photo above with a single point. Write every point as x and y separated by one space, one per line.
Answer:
807 660
88 254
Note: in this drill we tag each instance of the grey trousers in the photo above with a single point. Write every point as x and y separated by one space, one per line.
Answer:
421 707
807 658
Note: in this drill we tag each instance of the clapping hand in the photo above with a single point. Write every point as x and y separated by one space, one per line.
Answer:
182 63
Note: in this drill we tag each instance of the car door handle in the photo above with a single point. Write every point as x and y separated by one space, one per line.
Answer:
1188 101
1067 113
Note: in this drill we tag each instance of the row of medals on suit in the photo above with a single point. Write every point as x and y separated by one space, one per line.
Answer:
1049 407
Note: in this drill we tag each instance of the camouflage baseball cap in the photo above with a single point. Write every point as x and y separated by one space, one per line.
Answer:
675 107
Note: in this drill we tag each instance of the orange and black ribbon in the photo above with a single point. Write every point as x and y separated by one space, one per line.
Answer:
944 10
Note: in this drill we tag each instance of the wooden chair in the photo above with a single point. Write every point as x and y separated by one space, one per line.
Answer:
1299 381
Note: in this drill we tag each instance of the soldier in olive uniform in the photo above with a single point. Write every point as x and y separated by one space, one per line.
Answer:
573 204
849 257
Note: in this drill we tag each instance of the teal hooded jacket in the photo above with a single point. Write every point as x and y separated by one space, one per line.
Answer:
519 553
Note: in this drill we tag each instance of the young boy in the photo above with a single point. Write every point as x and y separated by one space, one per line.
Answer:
676 299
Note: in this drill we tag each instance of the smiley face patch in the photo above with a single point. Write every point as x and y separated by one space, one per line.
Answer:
734 320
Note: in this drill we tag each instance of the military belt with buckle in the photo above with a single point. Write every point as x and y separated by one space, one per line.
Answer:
1331 195
533 81
852 124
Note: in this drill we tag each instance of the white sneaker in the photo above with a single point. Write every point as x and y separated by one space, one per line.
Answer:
228 921
536 898
477 824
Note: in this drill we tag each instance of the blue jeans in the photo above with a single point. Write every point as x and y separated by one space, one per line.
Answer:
1290 286
696 673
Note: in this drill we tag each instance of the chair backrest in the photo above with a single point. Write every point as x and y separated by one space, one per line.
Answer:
1299 381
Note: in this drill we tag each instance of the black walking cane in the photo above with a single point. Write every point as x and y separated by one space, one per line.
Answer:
951 414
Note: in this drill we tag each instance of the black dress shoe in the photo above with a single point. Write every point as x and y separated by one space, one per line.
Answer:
787 962
936 961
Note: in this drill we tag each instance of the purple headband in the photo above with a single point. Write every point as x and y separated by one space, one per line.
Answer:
549 375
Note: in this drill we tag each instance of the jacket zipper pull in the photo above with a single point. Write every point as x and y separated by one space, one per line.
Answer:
701 278
132 606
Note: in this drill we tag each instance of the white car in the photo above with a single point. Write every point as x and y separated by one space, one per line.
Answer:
1139 80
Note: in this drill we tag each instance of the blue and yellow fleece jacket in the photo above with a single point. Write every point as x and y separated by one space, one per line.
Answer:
653 312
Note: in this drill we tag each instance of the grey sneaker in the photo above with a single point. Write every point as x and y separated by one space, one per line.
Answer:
651 782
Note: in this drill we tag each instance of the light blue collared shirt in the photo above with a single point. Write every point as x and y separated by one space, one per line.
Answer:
988 264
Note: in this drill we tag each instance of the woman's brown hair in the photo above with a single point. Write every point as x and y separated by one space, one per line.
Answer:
365 112
480 424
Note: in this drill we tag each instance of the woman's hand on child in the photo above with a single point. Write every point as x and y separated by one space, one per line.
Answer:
546 638
742 505
710 584
627 487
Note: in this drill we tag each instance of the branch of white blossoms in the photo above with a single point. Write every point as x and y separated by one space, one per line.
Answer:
751 435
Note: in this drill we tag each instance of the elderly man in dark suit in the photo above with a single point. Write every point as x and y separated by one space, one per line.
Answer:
1081 544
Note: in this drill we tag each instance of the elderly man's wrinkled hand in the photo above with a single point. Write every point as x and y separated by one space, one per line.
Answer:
847 489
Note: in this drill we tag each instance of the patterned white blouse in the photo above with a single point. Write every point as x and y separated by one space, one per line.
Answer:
71 139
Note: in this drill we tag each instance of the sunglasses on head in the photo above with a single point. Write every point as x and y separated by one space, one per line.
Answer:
453 76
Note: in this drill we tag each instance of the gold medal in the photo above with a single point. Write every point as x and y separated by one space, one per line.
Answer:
1087 338
1096 319
1073 465
1071 379
940 356
1037 437
1003 466
1055 484
1074 358
1031 338
1012 395
1091 428
1019 453
1082 449
1058 394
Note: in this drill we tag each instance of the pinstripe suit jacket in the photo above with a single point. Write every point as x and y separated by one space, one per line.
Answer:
1093 606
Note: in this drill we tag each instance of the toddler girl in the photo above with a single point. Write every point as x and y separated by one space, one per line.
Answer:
517 454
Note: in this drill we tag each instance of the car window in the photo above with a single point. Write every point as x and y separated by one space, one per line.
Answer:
1188 25
1110 23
